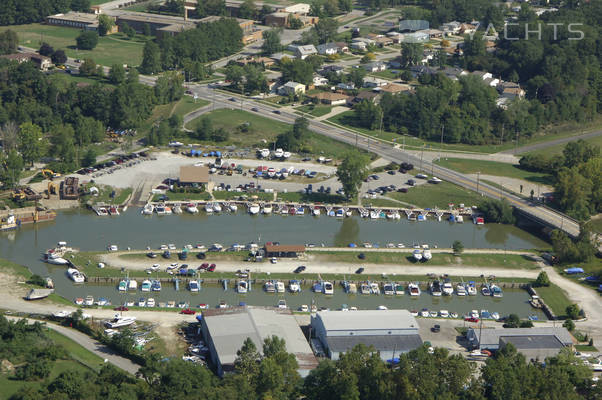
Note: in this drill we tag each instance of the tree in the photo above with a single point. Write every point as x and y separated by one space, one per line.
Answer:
132 77
573 311
30 142
411 54
151 58
11 165
46 49
297 70
87 40
8 42
105 24
246 359
88 67
204 129
81 5
9 133
368 114
513 321
271 42
497 211
59 57
127 30
457 247
147 30
351 172
579 152
569 325
326 30
294 22
247 10
542 279
89 158
368 57
357 76
117 74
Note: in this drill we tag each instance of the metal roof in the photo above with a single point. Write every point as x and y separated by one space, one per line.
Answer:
397 343
367 319
492 336
533 342
230 327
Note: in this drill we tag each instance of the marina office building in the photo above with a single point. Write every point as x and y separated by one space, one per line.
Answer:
225 330
390 332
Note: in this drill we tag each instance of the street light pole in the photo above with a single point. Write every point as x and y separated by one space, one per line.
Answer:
478 175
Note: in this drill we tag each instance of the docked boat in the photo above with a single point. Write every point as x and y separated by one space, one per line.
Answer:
279 287
352 288
75 275
79 301
233 207
148 209
426 253
485 290
300 210
318 287
381 307
364 288
460 219
132 284
160 209
496 291
495 315
316 211
471 288
314 308
294 286
222 304
38 294
398 287
374 288
150 302
374 214
444 314
388 289
414 289
141 302
242 287
113 210
102 211
424 313
485 314
304 308
217 207
53 257
536 302
171 304
284 210
156 285
194 286
89 301
474 314
328 288
414 313
282 304
447 288
433 314
460 290
339 213
102 301
146 285
192 208
119 321
209 208
269 287
254 209
417 254
123 285
267 209
435 287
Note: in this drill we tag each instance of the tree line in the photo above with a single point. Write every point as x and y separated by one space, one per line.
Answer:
17 12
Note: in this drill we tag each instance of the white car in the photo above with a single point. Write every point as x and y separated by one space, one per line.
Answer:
273 260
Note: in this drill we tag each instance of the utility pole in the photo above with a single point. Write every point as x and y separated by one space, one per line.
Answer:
516 145
422 155
478 176
441 147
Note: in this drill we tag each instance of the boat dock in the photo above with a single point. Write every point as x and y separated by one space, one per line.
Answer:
29 215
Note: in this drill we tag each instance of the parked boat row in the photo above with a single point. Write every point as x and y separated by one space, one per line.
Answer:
105 211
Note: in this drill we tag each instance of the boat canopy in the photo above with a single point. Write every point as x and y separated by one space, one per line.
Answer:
574 270
352 245
199 317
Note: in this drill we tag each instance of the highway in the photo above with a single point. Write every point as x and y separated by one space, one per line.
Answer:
544 214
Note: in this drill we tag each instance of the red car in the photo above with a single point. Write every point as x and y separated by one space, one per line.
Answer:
121 308
188 311
211 268
471 319
203 266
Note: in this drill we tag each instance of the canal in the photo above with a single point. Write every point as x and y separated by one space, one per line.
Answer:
88 232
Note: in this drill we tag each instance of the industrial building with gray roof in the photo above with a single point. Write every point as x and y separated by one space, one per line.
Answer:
521 338
225 330
390 332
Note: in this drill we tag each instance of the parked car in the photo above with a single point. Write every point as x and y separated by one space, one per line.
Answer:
121 308
471 319
188 311
300 269
436 328
359 270
211 268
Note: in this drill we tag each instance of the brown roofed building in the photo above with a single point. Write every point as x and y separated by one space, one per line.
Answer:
42 62
331 98
284 250
192 174
395 88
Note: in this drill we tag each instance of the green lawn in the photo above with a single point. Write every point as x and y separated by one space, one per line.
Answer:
386 74
315 110
297 197
597 224
183 196
121 195
556 150
76 351
63 80
112 49
224 195
187 104
439 195
468 166
555 298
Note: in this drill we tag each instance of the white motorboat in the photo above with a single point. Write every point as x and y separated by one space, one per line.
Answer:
304 308
417 254
278 153
381 307
209 208
282 304
123 285
328 288
460 219
365 288
315 211
398 287
433 314
374 288
286 154
130 303
496 291
194 286
279 287
267 209
146 285
495 315
61 314
294 286
474 314
89 301
119 321
75 275
192 208
414 289
426 253
444 314
132 284
352 288
53 256
217 207
374 214
425 313
269 287
242 287
141 302
150 302
112 247
471 288
447 288
233 207
460 290
436 288
177 209
254 209
148 209
264 153
388 289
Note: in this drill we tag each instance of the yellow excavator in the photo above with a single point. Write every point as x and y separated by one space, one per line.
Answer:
50 174
53 188
17 195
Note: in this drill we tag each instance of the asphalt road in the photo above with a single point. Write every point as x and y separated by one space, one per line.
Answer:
90 344
539 146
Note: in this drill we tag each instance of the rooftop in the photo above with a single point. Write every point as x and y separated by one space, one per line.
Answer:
397 343
77 16
373 319
155 18
492 336
285 248
533 341
230 327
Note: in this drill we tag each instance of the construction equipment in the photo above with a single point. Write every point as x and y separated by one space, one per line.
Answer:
17 195
53 188
50 174
25 193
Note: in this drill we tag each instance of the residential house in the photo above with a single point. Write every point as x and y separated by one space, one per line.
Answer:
42 62
291 88
466 29
279 56
328 49
303 52
493 82
416 37
373 36
418 70
342 47
451 28
375 66
372 82
362 42
333 99
453 73
346 86
394 88
374 97
384 41
337 69
361 46
482 74
427 56
320 81
431 33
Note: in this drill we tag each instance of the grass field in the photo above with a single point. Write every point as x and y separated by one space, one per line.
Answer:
262 129
105 195
556 150
63 80
297 197
76 351
315 110
468 166
555 298
439 195
597 224
183 196
112 49
224 195
187 104
14 269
